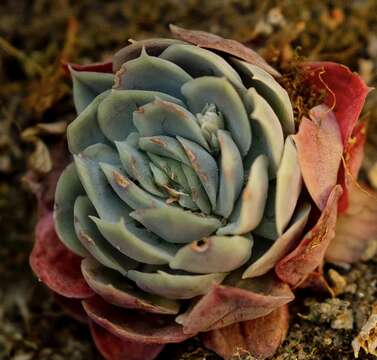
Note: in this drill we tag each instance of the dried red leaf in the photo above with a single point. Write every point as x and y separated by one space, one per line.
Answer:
352 160
356 229
345 92
308 255
54 264
114 348
260 337
319 147
134 326
224 305
228 46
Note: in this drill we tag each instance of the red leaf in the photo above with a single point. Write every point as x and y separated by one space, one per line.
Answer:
260 337
309 254
319 147
134 326
72 307
231 47
356 229
345 92
224 305
55 265
114 348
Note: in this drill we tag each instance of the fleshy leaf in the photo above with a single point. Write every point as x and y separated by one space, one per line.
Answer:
272 92
84 130
249 210
281 246
356 229
206 90
154 47
200 62
210 41
231 174
319 148
268 136
87 85
54 264
115 113
67 189
165 146
213 254
107 204
92 240
119 291
345 92
205 167
288 185
136 164
173 286
136 243
153 74
198 194
308 255
112 347
176 225
241 300
134 196
267 226
260 337
166 118
134 326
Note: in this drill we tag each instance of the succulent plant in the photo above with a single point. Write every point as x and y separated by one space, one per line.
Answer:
189 191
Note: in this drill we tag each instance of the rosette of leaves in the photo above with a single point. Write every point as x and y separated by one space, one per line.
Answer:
183 205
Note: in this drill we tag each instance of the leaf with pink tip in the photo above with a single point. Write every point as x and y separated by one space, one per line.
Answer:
308 255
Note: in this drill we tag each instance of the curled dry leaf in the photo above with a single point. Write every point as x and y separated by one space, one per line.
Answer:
356 229
367 337
260 337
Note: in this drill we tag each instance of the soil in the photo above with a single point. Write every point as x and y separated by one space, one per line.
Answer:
35 106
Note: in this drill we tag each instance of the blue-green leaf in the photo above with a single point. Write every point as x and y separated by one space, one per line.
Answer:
176 225
93 241
152 73
115 113
88 85
68 189
219 91
136 243
175 286
84 130
213 254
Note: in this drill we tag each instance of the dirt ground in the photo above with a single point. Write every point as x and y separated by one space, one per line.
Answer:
36 36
